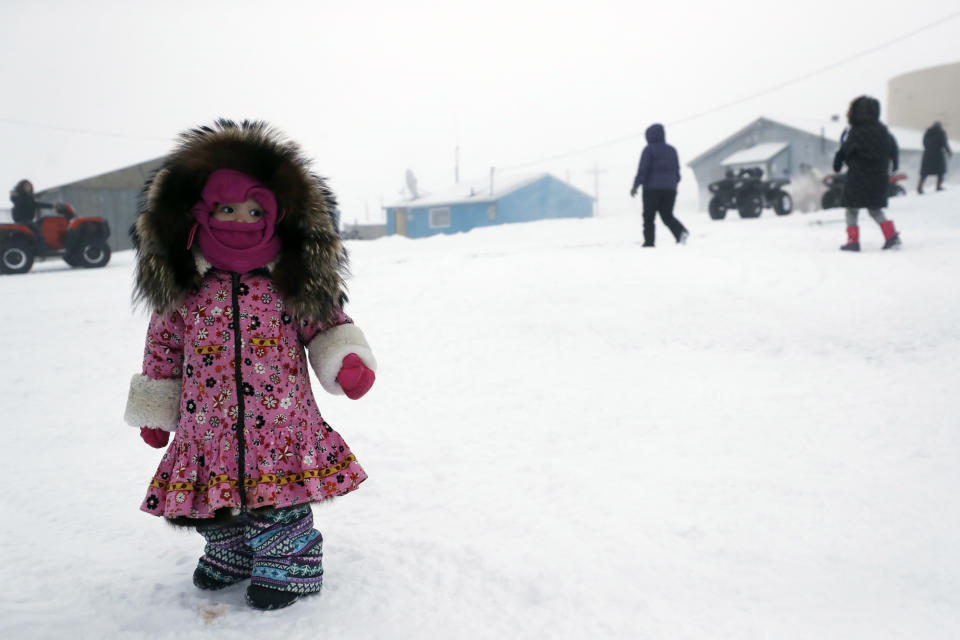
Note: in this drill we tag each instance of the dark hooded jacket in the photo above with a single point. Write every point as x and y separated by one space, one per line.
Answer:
659 165
935 145
868 150
25 206
312 263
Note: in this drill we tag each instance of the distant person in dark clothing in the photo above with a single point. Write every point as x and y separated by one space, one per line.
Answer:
934 162
868 149
658 174
24 205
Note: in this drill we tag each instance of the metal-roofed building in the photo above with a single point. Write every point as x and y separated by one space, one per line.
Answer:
504 200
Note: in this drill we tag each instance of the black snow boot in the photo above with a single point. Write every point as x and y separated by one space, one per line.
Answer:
851 246
893 243
266 599
203 580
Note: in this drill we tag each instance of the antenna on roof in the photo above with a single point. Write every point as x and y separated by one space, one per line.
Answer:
412 185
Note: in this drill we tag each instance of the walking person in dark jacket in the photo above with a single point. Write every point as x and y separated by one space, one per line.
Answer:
659 174
935 147
868 150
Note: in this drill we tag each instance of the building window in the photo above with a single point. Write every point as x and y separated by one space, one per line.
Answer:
492 212
440 218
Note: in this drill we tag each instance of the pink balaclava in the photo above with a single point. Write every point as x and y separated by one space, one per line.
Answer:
235 246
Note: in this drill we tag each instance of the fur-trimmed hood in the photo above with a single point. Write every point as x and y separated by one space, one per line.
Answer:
312 264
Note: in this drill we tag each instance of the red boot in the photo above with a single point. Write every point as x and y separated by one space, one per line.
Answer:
853 240
890 235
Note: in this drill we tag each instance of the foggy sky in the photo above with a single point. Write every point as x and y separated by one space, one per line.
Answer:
373 88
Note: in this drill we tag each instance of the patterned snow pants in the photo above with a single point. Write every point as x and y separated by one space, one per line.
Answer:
277 548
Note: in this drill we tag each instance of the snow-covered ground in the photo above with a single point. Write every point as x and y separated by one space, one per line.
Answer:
751 436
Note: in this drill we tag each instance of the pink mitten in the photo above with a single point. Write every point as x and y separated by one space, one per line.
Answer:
355 378
156 438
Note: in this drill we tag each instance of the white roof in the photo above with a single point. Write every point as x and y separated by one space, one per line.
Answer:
475 191
756 153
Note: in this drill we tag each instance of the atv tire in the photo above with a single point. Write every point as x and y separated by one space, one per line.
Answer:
782 203
830 200
93 254
750 205
718 208
16 256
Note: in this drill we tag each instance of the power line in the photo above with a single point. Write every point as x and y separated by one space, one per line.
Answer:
753 96
91 132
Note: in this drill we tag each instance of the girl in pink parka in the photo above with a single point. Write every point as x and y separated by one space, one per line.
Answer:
239 258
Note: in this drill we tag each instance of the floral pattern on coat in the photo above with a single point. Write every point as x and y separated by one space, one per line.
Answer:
266 421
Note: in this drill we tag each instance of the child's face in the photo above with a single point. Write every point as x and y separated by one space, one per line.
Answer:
249 211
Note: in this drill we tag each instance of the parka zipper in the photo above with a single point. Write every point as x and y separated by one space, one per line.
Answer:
238 374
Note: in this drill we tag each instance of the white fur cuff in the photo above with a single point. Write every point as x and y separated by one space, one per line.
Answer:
153 403
328 349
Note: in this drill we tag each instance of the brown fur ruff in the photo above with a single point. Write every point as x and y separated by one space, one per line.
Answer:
311 268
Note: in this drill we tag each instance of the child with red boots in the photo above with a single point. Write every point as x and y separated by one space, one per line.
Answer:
868 149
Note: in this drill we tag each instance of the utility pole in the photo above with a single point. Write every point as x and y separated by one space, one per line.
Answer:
456 165
491 180
596 171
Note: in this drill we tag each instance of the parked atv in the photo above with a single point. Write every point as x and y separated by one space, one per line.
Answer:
748 193
833 197
82 242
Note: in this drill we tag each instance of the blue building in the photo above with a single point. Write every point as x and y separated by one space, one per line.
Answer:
468 206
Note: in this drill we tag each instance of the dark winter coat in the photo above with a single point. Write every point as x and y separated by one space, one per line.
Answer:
934 147
868 150
659 165
24 205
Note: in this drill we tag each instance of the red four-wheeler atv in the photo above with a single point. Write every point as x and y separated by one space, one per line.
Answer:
82 242
833 197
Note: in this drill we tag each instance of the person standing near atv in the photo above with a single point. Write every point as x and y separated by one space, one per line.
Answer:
934 162
867 148
658 174
24 205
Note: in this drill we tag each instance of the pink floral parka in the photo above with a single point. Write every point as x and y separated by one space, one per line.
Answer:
227 371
